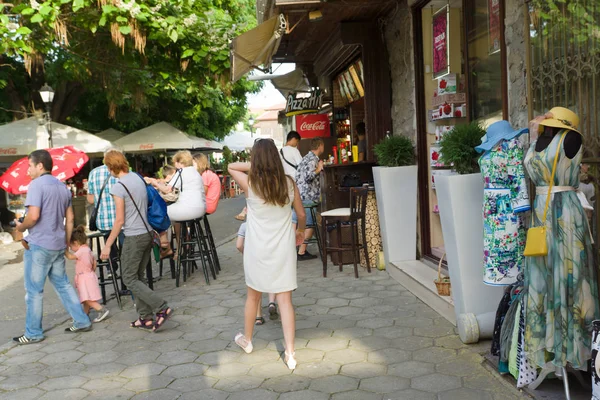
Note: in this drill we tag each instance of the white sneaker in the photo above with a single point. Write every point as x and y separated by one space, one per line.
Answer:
102 314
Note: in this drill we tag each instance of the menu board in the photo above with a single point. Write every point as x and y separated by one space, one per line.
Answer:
351 83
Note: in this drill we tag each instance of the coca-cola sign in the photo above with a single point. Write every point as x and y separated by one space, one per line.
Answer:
309 126
303 105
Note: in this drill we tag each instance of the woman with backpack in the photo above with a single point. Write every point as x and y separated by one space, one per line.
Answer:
131 203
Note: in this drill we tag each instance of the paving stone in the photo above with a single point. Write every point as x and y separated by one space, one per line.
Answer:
26 358
206 346
66 382
375 323
171 345
160 394
117 394
270 370
411 369
313 310
22 394
227 370
385 294
238 383
316 369
393 332
304 324
259 357
193 384
337 324
435 383
365 302
101 371
314 333
344 311
65 394
333 302
410 394
363 370
436 354
434 331
21 382
144 384
62 357
353 333
177 357
143 370
309 355
413 343
352 295
304 395
464 394
287 383
95 346
467 365
105 384
303 301
360 317
205 394
415 322
279 346
140 357
334 384
357 395
254 394
388 356
218 357
185 370
345 356
100 357
20 350
25 369
450 342
371 343
384 384
269 334
328 344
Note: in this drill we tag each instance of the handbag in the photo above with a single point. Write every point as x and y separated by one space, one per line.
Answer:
153 234
536 245
173 196
92 223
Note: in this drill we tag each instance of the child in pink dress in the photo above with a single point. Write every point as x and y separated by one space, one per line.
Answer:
86 280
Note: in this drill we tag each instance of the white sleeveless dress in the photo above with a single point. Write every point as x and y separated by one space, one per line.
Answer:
270 246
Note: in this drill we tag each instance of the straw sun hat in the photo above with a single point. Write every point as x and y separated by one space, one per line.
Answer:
562 118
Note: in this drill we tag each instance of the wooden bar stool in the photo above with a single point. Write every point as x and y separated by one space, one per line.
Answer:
313 207
351 215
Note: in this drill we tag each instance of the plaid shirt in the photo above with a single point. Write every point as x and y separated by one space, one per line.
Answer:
107 210
308 181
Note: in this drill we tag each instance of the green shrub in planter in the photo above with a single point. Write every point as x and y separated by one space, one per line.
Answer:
458 147
395 151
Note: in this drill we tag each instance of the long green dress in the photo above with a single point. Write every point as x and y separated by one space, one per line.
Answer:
562 294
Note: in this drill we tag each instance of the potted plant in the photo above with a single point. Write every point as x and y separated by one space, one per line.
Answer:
396 190
460 201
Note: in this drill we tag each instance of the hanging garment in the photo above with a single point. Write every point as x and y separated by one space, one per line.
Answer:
527 372
596 361
562 294
500 314
504 201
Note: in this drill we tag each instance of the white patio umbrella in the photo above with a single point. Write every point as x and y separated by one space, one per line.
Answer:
239 141
110 134
162 136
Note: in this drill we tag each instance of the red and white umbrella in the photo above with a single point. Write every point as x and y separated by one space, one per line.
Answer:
67 162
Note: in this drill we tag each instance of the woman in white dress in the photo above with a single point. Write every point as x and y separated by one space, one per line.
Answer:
270 247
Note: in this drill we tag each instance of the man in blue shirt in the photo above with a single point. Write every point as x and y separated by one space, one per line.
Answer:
48 205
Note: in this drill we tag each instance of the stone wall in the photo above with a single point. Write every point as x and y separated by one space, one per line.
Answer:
516 60
399 40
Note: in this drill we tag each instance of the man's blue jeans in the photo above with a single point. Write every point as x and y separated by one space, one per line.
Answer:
39 264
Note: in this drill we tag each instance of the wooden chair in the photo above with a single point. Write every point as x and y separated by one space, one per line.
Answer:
351 215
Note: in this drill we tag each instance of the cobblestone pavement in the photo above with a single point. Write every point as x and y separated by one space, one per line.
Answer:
356 340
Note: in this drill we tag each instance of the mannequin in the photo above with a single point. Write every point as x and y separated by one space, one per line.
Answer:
571 144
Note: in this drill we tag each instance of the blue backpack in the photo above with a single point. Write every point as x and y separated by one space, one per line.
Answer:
157 209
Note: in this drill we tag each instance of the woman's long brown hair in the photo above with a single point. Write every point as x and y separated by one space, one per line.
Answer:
266 176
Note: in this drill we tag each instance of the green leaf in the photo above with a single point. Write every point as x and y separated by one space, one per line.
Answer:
77 5
122 19
45 9
107 9
187 53
94 28
23 30
102 21
37 18
164 75
125 30
174 35
28 11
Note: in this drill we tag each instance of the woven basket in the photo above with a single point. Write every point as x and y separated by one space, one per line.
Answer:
442 283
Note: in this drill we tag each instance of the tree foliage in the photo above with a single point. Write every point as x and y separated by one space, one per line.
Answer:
126 64
578 18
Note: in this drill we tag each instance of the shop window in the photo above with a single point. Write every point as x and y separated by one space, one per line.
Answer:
485 47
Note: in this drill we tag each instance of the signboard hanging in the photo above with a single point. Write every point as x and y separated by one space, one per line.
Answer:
440 43
494 25
303 105
310 126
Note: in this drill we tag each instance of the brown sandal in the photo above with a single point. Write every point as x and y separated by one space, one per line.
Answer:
141 323
161 317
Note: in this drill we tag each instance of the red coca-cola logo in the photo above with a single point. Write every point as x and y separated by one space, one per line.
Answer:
314 126
10 151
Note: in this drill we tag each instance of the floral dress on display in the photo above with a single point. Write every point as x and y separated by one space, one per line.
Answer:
504 202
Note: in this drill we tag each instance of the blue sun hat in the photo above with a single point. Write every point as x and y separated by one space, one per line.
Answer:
501 130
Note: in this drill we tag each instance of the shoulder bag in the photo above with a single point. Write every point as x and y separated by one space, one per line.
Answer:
536 245
173 196
153 234
158 217
285 159
92 225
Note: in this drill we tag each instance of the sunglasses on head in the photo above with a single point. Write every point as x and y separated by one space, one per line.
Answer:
259 139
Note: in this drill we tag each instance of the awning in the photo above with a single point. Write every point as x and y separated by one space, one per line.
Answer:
112 135
256 47
293 82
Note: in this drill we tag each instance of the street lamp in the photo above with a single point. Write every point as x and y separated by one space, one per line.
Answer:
47 96
251 122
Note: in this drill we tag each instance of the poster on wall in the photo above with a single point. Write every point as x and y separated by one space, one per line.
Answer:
494 25
440 43
310 126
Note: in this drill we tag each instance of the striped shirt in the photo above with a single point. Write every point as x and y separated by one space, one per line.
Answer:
107 210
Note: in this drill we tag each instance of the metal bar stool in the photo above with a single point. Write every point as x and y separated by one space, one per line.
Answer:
211 243
315 226
189 238
170 258
206 250
94 241
351 215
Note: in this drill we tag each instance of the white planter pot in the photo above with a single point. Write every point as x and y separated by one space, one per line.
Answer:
396 190
460 200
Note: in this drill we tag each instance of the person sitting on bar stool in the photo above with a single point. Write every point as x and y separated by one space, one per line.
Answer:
309 185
